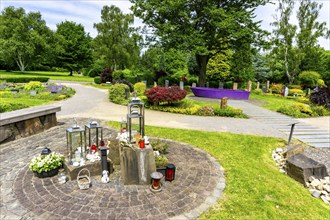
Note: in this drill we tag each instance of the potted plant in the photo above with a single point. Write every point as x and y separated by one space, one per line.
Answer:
46 165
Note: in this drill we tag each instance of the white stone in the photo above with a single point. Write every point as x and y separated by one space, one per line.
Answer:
277 157
327 188
279 150
320 186
316 194
315 182
327 178
323 192
282 171
311 178
325 199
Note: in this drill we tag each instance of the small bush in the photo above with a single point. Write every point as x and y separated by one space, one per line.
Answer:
106 75
321 83
117 94
94 72
295 87
229 112
139 88
97 80
292 111
159 146
296 92
309 79
205 111
7 107
257 91
161 160
163 94
276 88
321 96
126 82
34 85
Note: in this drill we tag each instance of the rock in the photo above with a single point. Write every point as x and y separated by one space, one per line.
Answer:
279 150
320 186
301 168
323 192
327 188
282 170
277 157
296 149
310 179
315 183
316 194
325 199
327 178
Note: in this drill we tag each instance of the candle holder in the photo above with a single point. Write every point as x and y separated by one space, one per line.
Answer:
75 137
141 143
170 172
156 185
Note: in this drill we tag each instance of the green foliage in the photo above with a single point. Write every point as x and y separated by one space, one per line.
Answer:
106 75
159 146
117 41
9 106
295 87
117 94
257 91
321 97
300 110
308 79
261 68
126 74
97 80
73 46
296 92
25 38
161 160
205 111
139 88
218 67
229 112
321 83
34 85
24 79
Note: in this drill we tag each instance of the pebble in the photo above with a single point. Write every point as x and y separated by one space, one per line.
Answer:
316 194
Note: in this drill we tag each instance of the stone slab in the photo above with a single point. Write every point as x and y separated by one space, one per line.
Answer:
301 167
320 145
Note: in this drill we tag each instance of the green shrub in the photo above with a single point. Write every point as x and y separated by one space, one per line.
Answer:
25 79
229 112
34 85
309 79
295 87
125 74
165 94
320 111
159 146
94 72
124 81
276 88
97 80
257 91
139 88
106 75
161 160
7 107
321 84
296 92
117 94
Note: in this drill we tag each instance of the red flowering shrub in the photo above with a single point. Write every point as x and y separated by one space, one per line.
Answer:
165 94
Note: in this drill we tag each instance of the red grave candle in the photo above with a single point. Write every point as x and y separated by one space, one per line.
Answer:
155 184
93 148
169 175
141 143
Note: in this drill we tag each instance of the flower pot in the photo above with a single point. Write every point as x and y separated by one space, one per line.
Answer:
50 173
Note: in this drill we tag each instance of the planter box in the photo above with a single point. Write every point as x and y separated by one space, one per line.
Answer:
220 93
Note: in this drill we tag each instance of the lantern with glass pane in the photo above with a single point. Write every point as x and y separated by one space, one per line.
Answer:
93 133
135 119
75 139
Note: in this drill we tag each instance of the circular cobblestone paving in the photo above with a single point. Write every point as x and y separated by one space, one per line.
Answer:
198 184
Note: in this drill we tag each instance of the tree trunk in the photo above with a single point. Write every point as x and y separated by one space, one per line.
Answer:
202 61
20 63
290 77
71 72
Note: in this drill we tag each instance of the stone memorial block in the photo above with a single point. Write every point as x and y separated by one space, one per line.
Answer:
235 85
145 84
258 85
113 154
181 85
249 85
301 167
167 82
33 93
155 84
193 85
223 103
221 85
267 85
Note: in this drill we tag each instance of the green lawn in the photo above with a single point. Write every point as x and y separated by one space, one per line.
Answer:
255 189
273 102
63 76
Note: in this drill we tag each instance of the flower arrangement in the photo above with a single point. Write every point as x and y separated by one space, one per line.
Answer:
46 162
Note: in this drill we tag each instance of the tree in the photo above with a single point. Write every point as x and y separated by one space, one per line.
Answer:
117 41
24 37
310 31
219 66
203 27
74 46
284 39
261 69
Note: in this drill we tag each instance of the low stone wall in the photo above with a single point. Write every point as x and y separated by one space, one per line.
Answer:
26 122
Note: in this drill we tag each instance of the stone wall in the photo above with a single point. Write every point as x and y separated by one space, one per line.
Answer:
27 127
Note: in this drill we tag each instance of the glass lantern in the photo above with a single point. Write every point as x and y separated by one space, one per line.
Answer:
93 131
75 139
135 114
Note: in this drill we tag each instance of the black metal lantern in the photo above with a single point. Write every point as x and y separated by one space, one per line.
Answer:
93 131
135 113
45 151
75 139
170 172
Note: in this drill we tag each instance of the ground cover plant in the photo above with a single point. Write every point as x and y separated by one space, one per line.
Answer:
298 107
63 76
255 189
18 96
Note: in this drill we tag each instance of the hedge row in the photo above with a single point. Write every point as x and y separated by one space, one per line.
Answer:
25 79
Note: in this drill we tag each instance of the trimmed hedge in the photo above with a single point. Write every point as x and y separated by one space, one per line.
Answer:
25 79
117 94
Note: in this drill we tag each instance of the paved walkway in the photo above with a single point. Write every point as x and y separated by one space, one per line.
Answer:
24 196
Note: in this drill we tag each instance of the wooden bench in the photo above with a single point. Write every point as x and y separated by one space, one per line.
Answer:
26 122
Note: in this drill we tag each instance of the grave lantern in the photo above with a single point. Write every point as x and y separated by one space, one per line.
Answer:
45 151
123 126
75 137
170 172
135 113
156 185
93 131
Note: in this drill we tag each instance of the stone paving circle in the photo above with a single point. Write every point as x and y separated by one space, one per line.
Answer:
199 183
